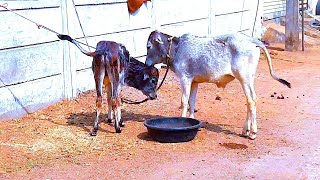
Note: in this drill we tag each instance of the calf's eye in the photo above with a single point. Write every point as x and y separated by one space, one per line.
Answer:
153 81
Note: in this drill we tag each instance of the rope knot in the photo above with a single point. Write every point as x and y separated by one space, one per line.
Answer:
4 5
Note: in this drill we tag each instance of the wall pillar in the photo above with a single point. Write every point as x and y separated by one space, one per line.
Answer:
292 25
212 18
154 24
257 26
68 69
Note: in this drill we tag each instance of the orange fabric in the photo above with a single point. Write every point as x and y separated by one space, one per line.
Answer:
134 5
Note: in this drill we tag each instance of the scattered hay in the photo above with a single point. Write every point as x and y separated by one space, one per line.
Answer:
62 140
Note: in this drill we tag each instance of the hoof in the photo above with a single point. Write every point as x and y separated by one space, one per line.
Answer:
122 124
245 133
252 136
94 132
117 126
109 120
118 130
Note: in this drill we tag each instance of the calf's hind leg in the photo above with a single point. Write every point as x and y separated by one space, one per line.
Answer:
98 76
115 82
110 112
116 107
250 127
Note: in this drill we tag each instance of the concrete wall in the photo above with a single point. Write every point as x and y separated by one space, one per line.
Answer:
312 5
274 9
37 70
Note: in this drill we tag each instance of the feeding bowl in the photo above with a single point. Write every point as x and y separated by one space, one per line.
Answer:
172 129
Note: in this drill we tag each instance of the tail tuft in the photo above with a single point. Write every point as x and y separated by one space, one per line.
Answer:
285 82
64 37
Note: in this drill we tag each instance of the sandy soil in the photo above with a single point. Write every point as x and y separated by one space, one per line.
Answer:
54 143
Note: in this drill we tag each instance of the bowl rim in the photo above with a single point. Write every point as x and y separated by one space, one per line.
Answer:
197 126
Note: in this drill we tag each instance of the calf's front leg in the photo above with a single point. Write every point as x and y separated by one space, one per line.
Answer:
193 97
99 75
185 88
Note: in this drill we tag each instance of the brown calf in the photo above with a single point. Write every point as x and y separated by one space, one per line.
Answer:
113 67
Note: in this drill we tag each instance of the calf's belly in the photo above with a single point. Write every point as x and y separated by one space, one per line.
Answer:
220 81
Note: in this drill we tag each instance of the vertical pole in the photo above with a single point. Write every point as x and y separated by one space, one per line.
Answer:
68 69
292 26
212 18
302 25
257 24
154 24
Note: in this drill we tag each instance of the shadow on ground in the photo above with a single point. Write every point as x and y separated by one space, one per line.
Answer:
145 136
218 128
86 120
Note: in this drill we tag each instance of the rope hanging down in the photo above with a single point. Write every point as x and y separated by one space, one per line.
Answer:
85 37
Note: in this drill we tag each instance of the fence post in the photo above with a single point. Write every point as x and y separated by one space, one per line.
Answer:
154 24
68 69
212 18
292 26
257 24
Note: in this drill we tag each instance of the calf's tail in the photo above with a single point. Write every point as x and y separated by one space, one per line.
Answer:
68 38
263 47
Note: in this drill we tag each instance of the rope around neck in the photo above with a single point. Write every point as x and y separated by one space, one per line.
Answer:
164 77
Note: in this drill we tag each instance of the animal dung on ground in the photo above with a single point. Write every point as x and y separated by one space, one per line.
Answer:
272 95
280 97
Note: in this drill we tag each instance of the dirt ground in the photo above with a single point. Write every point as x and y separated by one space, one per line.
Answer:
54 143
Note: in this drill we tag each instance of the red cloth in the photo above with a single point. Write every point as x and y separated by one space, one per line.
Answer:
134 5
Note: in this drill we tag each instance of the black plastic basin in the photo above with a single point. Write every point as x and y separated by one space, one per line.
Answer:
172 129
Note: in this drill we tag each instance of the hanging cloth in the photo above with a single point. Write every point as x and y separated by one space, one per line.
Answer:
134 5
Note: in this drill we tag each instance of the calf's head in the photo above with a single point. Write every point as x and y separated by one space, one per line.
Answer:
157 48
142 77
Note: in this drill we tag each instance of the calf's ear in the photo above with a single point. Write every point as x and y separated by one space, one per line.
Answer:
158 39
149 44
